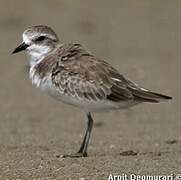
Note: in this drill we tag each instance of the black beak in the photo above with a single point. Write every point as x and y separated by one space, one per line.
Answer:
21 47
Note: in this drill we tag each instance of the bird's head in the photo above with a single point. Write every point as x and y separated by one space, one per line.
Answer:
38 41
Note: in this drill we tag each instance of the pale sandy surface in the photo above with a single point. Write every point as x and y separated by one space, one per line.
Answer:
140 38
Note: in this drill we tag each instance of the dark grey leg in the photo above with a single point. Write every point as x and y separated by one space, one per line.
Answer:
83 148
85 143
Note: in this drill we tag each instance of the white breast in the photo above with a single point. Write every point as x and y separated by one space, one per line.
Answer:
46 84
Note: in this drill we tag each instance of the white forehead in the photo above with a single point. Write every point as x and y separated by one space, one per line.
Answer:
26 39
36 31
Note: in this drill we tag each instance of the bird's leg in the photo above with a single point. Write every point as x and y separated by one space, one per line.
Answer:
85 143
83 148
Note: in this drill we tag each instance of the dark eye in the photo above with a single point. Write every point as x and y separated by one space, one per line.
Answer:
41 38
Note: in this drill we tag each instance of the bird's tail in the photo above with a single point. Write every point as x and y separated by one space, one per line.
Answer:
148 96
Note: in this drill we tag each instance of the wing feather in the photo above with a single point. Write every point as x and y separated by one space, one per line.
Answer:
81 75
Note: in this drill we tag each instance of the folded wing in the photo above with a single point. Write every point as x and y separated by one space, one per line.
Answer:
80 75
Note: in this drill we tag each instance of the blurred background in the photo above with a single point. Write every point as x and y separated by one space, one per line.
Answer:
139 38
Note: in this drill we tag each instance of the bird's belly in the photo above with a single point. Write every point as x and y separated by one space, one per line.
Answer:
85 104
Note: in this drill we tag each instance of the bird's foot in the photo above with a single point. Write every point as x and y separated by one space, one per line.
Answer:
76 155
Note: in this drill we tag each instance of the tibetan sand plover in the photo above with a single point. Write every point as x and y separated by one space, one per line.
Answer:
73 75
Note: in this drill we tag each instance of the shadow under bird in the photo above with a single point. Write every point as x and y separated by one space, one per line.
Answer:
71 74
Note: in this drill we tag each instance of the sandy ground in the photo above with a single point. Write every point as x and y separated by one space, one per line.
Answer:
142 40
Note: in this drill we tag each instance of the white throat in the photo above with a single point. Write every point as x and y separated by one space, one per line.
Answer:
37 53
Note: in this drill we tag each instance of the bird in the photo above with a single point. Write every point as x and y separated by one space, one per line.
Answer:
71 74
